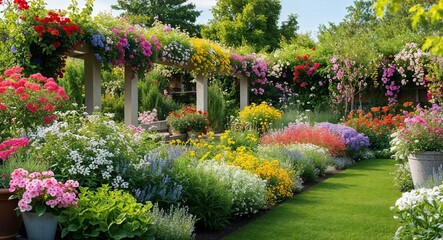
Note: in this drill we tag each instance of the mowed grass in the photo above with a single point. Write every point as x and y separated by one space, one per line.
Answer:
354 204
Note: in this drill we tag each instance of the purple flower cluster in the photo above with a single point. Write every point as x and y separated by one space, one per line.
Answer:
353 140
252 67
407 66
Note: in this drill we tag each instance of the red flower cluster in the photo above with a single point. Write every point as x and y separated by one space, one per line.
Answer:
9 147
307 68
28 101
302 133
21 4
55 22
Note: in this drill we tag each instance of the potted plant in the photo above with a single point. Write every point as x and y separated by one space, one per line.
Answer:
9 222
25 103
421 142
41 38
41 198
188 119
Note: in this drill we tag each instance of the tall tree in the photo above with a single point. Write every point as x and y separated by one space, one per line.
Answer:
246 22
290 27
177 13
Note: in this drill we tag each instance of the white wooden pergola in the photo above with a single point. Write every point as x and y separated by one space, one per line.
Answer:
93 87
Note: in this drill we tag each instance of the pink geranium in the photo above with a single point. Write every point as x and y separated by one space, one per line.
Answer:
41 189
26 102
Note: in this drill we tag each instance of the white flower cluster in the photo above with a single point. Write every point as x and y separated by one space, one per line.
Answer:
88 150
176 53
411 199
248 189
413 58
278 69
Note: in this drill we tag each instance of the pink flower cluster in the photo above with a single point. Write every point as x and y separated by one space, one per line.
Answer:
38 94
301 133
10 146
42 188
252 67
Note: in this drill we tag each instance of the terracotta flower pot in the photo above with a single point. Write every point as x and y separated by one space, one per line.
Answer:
9 221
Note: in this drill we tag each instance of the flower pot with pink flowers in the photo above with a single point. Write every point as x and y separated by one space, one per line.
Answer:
41 198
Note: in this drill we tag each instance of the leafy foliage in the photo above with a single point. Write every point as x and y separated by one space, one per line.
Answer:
207 197
254 23
176 13
107 213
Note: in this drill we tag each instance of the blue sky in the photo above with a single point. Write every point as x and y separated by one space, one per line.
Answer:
311 13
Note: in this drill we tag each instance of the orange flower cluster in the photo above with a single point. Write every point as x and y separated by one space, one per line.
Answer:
379 123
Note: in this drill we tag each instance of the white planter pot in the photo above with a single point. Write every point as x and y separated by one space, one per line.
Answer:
40 227
424 165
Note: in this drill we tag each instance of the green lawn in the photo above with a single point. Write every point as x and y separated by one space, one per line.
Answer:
353 204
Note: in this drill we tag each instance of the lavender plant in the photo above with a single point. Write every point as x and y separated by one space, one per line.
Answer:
150 179
354 141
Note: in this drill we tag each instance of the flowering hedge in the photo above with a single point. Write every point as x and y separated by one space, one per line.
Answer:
303 133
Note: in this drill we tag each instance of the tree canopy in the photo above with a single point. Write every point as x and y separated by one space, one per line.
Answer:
425 12
177 13
249 22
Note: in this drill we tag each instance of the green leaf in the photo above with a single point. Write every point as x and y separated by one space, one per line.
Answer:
40 210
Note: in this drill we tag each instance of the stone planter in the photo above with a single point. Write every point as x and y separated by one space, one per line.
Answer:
193 135
159 126
9 221
424 165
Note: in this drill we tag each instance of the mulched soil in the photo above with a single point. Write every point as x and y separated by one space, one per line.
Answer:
236 224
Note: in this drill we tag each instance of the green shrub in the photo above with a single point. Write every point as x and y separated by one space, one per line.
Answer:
207 197
318 155
419 212
248 189
151 95
174 224
73 81
107 214
114 105
216 108
403 178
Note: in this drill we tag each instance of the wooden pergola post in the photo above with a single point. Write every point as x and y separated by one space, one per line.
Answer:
202 92
92 83
131 97
244 92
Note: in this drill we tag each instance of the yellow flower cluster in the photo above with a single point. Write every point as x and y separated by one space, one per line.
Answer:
260 117
279 180
209 57
237 139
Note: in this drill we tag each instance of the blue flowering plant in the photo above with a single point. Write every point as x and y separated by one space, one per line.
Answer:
118 43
